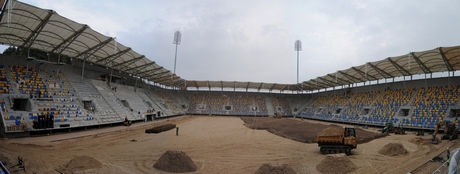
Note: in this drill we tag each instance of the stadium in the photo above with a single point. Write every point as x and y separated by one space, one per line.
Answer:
67 111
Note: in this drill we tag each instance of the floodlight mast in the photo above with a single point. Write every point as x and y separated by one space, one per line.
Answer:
177 39
298 47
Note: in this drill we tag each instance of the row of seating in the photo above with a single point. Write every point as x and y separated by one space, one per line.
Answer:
426 106
227 104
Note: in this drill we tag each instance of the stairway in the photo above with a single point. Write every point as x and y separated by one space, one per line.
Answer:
14 85
270 109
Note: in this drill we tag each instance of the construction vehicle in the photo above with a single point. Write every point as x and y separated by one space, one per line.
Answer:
388 127
399 130
343 142
450 131
420 133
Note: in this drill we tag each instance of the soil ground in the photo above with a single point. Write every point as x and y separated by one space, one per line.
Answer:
216 145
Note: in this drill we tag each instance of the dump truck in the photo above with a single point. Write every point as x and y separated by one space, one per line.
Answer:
332 140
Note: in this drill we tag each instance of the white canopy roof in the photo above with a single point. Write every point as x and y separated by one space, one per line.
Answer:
26 26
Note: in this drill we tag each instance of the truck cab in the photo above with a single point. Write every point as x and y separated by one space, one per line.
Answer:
349 137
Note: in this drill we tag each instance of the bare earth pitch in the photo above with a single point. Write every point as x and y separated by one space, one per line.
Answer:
216 145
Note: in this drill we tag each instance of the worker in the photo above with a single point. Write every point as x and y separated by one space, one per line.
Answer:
128 123
177 130
448 153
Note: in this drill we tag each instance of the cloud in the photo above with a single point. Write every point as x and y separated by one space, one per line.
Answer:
236 40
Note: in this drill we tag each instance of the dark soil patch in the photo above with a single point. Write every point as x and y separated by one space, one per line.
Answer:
269 169
161 128
175 161
300 130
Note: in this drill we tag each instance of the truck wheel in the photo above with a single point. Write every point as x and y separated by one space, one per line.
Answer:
322 151
348 151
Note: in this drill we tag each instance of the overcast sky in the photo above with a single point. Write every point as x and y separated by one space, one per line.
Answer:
241 40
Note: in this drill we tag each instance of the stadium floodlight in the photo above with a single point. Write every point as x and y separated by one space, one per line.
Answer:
177 39
298 47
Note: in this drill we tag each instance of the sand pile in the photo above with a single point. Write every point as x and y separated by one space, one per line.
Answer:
80 163
336 164
175 161
269 169
393 149
330 131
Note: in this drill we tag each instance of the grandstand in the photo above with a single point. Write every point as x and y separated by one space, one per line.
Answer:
97 88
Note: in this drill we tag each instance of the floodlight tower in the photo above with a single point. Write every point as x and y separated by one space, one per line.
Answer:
298 47
177 38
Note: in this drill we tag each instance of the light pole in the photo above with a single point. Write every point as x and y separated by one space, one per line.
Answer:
298 47
177 39
115 50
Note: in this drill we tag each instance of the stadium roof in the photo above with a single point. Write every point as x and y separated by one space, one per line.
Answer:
26 26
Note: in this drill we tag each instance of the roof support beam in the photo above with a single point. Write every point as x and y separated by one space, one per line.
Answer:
323 85
114 56
176 82
260 86
364 74
340 79
448 65
65 43
159 74
315 85
139 67
380 71
425 69
149 71
93 49
167 78
332 83
163 79
191 84
186 84
350 77
129 61
31 38
273 86
400 69
307 86
284 87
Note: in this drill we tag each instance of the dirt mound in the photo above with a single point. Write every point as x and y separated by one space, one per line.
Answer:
175 161
393 149
330 131
162 128
269 169
336 164
80 163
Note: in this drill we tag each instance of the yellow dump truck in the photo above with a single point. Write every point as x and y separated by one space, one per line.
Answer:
333 140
